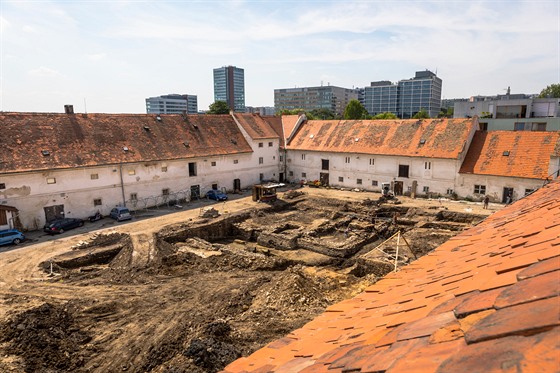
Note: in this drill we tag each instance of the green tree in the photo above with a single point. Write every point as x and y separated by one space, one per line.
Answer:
323 114
218 107
552 91
385 115
355 110
422 114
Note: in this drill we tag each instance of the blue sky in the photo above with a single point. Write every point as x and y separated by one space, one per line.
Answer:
108 56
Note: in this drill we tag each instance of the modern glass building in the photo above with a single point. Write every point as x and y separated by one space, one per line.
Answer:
172 104
229 86
311 98
405 98
421 92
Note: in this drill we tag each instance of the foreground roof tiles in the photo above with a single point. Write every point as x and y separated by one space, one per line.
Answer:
433 138
487 300
40 141
511 153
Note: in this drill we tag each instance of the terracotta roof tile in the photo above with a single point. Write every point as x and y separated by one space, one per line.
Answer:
434 138
486 300
528 153
76 140
256 126
506 355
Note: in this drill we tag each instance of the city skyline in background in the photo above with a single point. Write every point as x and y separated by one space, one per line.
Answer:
110 56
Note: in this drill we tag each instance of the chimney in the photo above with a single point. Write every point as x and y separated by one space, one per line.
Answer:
69 109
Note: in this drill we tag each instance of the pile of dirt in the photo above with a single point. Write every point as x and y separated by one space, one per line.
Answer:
46 338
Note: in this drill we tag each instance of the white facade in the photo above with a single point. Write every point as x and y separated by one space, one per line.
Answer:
82 191
369 171
496 187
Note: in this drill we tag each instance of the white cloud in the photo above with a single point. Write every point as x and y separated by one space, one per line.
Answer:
97 56
44 72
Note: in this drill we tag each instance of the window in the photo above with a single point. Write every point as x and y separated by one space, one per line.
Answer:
480 189
261 160
260 145
213 164
371 161
270 144
165 191
132 172
324 164
346 159
133 197
529 191
97 202
2 186
359 181
94 176
192 169
374 183
449 191
291 173
303 157
303 174
261 177
340 179
51 180
519 126
163 168
426 189
427 165
281 158
214 186
403 170
235 161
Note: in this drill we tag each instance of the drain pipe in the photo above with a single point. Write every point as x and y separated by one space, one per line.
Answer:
122 185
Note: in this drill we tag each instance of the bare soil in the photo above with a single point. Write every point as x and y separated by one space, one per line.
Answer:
191 292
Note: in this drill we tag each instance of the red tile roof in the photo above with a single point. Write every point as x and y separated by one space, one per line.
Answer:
75 140
256 127
433 138
289 123
528 153
487 300
276 123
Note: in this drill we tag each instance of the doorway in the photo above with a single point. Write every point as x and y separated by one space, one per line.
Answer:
195 192
236 185
507 192
398 187
324 178
54 212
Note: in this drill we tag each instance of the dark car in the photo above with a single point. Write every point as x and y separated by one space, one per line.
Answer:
11 236
61 225
216 195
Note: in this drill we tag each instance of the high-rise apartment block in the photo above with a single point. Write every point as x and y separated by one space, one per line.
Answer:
311 98
405 98
172 104
229 86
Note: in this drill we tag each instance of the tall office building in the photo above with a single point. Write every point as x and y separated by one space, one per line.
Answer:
172 104
421 92
405 98
229 86
311 98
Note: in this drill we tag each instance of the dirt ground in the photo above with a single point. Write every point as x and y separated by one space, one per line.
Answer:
191 291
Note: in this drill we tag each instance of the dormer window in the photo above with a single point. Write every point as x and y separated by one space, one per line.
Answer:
45 153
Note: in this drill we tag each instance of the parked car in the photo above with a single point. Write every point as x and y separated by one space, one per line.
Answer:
11 236
61 225
120 213
216 195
